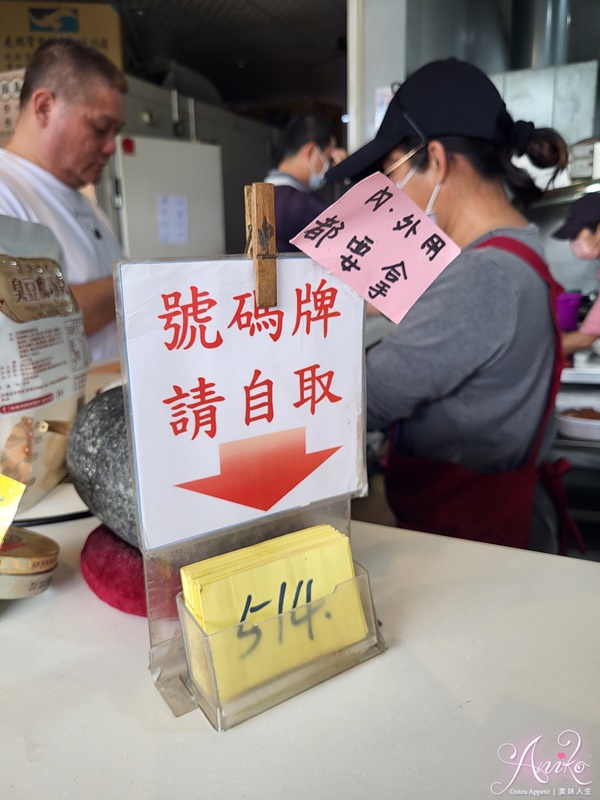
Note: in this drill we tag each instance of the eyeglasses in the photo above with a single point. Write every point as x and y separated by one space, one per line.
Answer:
416 149
404 158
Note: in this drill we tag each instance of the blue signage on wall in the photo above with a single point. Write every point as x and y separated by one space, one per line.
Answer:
53 20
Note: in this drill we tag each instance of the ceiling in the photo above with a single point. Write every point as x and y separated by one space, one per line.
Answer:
271 58
253 52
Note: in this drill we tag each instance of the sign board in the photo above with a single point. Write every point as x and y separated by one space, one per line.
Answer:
26 25
238 412
10 92
380 243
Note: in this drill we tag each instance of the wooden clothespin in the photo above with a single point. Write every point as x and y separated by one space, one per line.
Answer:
260 243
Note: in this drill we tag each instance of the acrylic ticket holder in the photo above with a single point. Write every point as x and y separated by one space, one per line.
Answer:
245 423
230 679
168 665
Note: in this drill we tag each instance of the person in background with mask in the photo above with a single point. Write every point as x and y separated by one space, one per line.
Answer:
582 230
72 107
308 148
472 371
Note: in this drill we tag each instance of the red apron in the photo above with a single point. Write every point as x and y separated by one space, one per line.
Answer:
453 500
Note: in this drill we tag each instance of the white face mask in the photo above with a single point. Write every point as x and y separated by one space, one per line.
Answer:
429 210
401 184
316 180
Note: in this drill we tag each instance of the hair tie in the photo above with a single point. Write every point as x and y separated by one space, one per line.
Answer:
521 135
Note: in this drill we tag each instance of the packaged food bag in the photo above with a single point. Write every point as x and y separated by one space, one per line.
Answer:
43 358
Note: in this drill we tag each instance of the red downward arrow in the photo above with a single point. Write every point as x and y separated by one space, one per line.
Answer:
259 471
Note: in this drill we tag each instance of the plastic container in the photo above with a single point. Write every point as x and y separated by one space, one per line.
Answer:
245 669
28 561
567 310
17 586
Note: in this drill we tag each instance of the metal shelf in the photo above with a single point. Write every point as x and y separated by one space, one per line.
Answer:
580 445
585 370
565 195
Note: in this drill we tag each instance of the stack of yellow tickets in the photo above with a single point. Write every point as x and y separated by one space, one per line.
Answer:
271 607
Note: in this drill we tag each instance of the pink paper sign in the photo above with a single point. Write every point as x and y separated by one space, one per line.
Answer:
380 243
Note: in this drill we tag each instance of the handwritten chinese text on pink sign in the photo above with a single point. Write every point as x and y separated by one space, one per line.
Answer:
381 244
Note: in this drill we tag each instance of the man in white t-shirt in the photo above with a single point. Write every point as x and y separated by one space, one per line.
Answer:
72 107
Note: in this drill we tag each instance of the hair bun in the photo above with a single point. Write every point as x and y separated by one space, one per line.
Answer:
520 136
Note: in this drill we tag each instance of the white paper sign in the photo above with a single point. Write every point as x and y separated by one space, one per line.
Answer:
239 412
172 212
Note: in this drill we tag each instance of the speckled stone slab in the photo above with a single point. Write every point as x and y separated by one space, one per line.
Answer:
99 465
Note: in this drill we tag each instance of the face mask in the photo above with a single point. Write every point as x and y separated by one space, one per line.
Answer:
429 210
317 180
401 184
581 248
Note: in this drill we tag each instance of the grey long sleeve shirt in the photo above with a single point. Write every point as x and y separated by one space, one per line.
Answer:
469 367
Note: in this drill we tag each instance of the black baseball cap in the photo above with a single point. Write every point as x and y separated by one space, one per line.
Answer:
443 98
584 213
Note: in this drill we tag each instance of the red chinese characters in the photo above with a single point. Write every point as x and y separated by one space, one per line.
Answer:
195 410
199 404
197 324
259 399
258 319
188 321
315 305
315 387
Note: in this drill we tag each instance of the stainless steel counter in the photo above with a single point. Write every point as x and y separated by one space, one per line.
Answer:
585 369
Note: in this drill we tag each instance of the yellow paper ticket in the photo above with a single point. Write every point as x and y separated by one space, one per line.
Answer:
272 607
248 654
11 492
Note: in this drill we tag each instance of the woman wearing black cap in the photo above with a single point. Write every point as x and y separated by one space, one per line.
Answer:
582 230
473 369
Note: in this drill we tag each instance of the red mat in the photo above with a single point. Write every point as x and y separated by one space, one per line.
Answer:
114 570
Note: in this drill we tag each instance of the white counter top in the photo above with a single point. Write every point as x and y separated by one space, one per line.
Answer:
488 645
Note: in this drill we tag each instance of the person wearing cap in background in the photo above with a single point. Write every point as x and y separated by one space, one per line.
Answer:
307 149
473 368
582 229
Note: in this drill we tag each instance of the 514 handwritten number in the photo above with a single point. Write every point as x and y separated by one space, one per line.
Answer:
296 618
